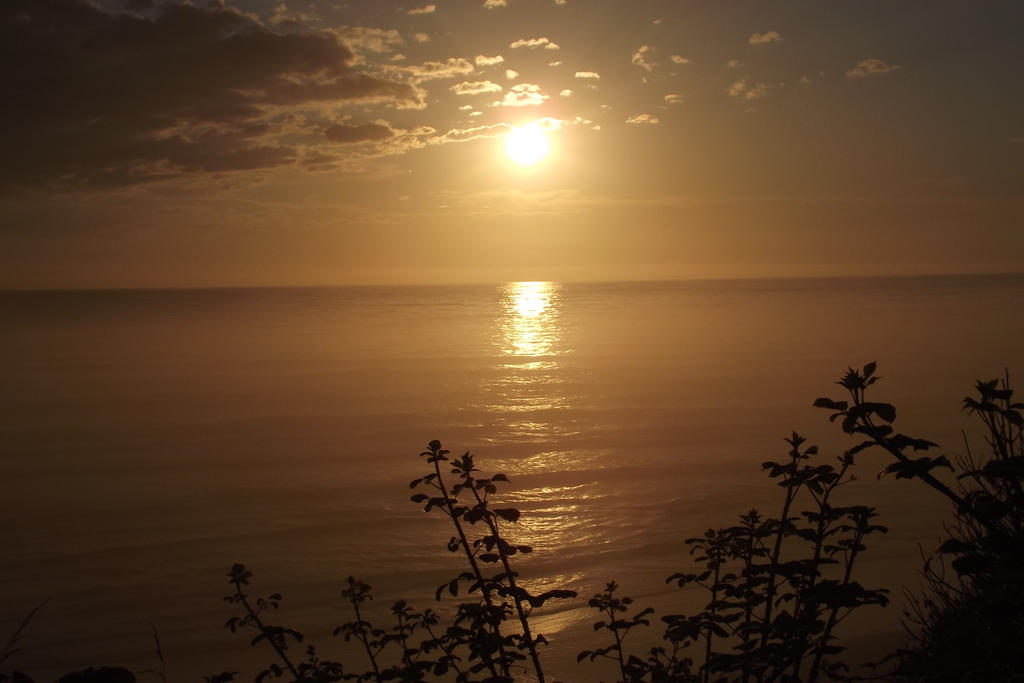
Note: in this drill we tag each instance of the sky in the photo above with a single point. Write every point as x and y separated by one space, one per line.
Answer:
259 142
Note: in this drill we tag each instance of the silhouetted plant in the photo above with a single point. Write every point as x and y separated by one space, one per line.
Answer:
313 670
772 610
486 639
966 624
160 673
620 626
488 616
770 613
11 647
360 629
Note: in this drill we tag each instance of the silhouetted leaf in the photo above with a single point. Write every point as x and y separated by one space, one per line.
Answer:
825 402
954 545
907 469
971 564
886 411
508 514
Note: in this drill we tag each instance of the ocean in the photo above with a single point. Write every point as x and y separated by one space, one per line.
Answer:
152 438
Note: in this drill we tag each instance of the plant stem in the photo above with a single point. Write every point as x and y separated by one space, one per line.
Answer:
263 629
523 618
471 558
791 491
826 634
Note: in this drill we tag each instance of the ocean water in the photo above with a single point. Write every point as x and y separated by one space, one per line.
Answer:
151 439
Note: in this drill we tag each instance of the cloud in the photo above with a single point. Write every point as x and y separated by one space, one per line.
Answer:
642 118
739 87
733 64
453 67
765 38
511 74
550 123
679 59
467 134
483 60
421 37
743 89
673 98
565 93
870 67
475 87
318 161
642 58
591 75
492 4
183 90
282 15
366 39
426 9
522 95
346 134
534 43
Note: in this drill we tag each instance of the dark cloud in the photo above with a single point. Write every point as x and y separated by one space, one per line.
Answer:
91 96
137 5
344 133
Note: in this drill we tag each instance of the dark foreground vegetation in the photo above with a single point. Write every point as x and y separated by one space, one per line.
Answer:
779 584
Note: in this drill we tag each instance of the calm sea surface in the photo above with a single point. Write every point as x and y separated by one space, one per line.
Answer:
150 439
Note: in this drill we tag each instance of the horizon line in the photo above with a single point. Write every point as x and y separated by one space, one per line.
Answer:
471 283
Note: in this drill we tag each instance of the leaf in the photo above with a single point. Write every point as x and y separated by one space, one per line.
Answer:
825 402
886 411
539 600
508 514
1010 468
970 564
955 545
908 469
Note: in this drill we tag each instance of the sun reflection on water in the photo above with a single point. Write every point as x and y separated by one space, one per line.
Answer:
530 319
530 379
534 417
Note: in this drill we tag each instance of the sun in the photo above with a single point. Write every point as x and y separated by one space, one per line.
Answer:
527 145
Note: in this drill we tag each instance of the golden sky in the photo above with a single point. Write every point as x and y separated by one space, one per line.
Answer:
320 142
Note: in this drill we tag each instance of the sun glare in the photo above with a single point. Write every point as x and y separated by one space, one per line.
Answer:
527 145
